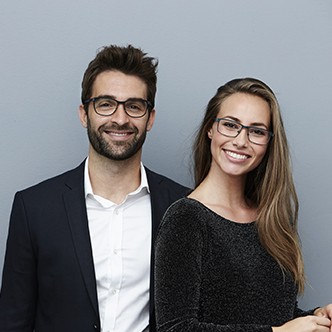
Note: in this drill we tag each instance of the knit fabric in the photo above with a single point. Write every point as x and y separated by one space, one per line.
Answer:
212 274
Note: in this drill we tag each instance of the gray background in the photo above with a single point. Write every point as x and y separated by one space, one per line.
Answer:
46 46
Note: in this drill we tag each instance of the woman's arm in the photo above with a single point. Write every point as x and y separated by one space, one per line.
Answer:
305 324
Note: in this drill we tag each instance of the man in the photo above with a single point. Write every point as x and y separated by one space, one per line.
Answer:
79 252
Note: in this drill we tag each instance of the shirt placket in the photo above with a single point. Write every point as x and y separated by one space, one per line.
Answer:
115 268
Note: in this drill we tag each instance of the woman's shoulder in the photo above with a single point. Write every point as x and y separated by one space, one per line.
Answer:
183 221
187 206
185 212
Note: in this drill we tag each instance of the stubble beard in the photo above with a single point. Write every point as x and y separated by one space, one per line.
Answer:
116 150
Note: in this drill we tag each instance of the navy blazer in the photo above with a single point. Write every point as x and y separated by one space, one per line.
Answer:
48 279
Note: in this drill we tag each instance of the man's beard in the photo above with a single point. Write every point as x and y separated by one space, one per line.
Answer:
115 150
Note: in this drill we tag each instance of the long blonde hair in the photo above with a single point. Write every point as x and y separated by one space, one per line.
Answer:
270 186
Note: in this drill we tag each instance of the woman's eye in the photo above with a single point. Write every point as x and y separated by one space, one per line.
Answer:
231 125
258 132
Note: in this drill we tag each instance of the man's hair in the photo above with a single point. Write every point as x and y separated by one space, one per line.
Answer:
128 60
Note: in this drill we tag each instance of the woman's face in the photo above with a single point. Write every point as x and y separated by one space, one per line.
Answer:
237 156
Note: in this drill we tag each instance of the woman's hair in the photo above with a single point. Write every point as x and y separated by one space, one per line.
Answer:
270 186
128 60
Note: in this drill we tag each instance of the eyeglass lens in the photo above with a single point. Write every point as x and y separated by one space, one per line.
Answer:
134 107
231 129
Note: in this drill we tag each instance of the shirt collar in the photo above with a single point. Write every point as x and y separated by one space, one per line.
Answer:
88 188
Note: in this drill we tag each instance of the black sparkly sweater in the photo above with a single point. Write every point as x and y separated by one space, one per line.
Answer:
212 274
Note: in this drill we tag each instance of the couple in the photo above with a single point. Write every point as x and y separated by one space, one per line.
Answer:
80 247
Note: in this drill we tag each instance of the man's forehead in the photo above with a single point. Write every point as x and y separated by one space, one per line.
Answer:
116 83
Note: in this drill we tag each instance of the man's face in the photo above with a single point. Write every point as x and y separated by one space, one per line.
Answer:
118 136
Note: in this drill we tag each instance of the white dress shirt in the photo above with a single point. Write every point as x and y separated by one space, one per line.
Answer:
121 245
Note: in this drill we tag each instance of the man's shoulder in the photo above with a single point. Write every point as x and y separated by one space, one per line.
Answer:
162 181
70 176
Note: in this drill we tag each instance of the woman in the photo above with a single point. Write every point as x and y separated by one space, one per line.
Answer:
228 256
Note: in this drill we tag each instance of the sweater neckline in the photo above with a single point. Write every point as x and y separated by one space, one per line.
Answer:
240 224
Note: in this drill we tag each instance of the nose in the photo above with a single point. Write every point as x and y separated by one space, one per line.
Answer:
120 116
241 140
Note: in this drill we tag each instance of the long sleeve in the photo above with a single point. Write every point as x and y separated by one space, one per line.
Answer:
181 254
48 276
19 282
298 312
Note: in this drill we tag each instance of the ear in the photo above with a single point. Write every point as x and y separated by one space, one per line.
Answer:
209 133
83 116
151 119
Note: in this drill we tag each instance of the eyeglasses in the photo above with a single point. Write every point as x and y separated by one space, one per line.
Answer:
232 128
106 106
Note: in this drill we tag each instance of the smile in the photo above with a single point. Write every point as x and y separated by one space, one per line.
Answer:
117 134
236 155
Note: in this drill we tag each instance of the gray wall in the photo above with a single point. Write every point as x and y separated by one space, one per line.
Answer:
46 45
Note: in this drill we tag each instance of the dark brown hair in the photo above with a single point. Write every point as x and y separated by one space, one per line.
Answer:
128 60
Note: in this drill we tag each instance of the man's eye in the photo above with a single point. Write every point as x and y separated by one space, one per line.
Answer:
106 104
135 106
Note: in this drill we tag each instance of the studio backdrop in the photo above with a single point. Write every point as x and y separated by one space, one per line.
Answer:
46 46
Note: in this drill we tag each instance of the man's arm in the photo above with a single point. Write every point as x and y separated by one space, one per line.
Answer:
18 295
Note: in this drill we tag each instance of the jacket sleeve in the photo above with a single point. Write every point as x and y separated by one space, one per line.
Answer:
19 283
179 255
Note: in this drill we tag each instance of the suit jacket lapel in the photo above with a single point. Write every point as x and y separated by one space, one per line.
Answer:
74 201
159 202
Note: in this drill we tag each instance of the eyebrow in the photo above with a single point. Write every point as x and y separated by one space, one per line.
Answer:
115 98
104 96
254 124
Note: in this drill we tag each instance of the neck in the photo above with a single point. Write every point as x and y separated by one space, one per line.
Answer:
225 195
222 191
114 179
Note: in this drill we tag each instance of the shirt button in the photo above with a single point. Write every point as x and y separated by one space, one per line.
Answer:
113 292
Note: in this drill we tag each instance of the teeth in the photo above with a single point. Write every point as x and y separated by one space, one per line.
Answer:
119 134
236 155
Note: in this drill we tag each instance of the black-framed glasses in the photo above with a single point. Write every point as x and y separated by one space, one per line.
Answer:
231 128
106 106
